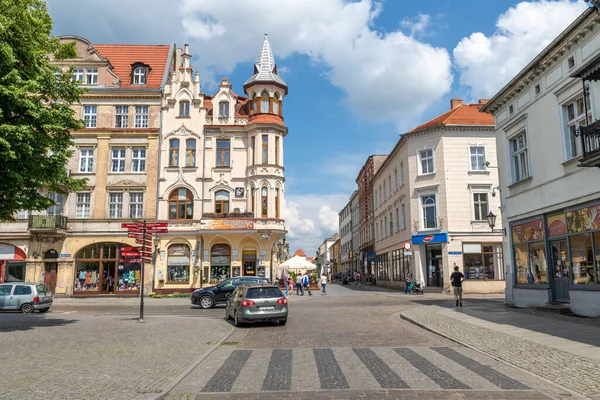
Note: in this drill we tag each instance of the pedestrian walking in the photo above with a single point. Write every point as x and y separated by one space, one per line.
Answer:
408 281
286 284
306 284
299 288
457 278
323 284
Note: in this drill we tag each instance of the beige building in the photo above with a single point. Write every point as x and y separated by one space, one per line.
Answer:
221 183
78 246
431 198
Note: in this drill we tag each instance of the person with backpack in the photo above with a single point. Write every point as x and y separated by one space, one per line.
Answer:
306 284
456 279
299 288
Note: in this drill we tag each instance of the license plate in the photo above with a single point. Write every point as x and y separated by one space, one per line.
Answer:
266 308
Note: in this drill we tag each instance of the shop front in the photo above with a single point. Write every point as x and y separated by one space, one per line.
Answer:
430 248
12 263
220 262
249 261
391 268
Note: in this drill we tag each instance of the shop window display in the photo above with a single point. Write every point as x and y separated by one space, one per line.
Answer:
220 262
87 275
178 263
482 261
530 252
96 269
128 276
582 259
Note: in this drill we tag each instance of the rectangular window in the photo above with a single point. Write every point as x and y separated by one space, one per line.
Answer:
141 116
77 74
138 160
184 108
480 206
174 153
384 191
575 116
276 150
22 214
395 179
253 150
118 160
89 116
223 109
82 206
86 160
482 261
136 205
403 216
265 149
477 154
190 153
426 162
401 174
223 152
391 225
115 205
520 157
91 76
385 227
429 211
389 185
121 116
376 230
59 203
397 220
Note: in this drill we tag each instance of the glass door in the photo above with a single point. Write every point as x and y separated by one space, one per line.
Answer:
561 271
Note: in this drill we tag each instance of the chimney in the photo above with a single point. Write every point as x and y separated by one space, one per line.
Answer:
483 101
455 103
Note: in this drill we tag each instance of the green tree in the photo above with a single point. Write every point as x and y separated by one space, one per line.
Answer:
35 109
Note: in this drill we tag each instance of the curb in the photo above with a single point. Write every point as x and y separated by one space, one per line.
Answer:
189 369
494 357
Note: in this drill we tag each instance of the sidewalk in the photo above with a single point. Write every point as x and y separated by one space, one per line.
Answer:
561 351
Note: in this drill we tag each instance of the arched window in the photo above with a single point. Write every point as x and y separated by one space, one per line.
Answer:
184 108
139 76
223 109
264 101
276 202
222 202
254 104
276 104
174 153
264 201
181 204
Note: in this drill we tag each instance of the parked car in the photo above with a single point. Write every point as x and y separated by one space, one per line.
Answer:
208 297
25 296
257 303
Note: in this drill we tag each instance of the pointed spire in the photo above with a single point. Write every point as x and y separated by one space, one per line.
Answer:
265 69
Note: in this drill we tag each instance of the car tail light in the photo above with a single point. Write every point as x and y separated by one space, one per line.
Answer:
36 299
248 303
283 300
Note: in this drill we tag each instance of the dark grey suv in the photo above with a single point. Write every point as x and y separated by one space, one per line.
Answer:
208 297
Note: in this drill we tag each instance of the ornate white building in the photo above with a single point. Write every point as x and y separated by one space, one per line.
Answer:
221 176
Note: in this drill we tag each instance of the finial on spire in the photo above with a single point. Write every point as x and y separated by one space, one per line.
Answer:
266 35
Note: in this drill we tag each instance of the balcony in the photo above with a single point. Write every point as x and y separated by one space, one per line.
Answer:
228 215
47 223
590 136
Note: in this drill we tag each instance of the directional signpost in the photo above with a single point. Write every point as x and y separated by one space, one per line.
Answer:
142 233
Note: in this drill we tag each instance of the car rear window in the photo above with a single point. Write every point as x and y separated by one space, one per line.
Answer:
263 293
42 288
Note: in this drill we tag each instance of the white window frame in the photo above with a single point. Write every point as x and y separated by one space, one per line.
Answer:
425 193
86 159
136 205
389 180
395 179
141 116
397 219
121 116
420 160
223 109
89 116
139 76
77 74
518 155
23 214
117 158
115 205
477 156
401 174
58 208
480 189
573 147
403 207
91 76
83 205
138 159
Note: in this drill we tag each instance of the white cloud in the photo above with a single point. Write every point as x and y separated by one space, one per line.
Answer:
488 63
416 25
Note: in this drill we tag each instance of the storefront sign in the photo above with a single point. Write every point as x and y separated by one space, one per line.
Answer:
527 232
433 238
454 253
370 257
227 224
584 219
64 255
557 225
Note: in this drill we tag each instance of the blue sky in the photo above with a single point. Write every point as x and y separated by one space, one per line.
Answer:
359 72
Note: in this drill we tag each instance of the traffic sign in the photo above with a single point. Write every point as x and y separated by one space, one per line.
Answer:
129 248
139 235
156 225
147 260
407 246
135 229
130 253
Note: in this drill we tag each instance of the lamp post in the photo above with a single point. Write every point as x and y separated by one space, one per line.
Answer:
491 219
155 242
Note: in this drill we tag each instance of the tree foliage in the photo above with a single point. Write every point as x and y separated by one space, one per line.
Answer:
35 109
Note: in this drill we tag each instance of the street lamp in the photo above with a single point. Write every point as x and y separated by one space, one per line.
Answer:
491 219
156 243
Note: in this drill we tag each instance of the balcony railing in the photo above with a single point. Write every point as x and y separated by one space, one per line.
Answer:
591 139
50 222
229 215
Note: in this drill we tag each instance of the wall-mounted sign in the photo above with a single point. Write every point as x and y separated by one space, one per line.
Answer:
370 257
454 253
64 255
408 253
431 238
239 192
227 224
407 246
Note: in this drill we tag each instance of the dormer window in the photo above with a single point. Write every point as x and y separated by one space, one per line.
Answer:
264 102
139 73
223 109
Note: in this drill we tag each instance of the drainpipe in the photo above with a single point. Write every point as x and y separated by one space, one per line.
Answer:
160 141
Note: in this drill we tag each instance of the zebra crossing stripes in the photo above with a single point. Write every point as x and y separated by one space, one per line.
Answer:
291 370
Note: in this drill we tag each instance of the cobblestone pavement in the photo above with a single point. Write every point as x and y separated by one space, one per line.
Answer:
350 345
77 355
577 373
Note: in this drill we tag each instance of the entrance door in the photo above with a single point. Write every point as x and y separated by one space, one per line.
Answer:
435 266
50 272
561 272
109 270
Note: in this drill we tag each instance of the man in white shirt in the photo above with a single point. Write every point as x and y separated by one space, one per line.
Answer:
323 284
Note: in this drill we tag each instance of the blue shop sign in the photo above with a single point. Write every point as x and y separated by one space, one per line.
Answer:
432 238
370 257
455 253
64 255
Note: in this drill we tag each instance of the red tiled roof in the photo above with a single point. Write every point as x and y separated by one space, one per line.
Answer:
300 253
122 56
464 114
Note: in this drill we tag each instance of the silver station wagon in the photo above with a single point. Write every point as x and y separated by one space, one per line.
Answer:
257 302
25 297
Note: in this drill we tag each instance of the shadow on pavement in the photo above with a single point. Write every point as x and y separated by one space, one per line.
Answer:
26 322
